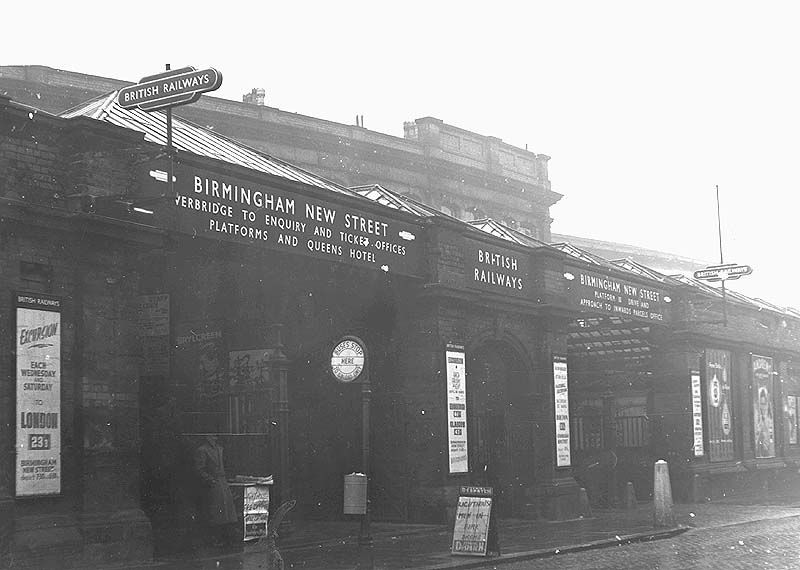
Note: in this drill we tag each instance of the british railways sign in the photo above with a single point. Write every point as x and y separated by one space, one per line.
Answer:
170 88
727 272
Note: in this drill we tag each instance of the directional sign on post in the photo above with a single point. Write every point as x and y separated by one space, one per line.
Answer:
170 88
727 272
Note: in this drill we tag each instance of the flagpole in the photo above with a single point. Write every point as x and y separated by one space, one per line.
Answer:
721 262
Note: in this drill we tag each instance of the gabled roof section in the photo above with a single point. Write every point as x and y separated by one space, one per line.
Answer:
635 267
497 229
390 199
581 254
188 137
695 284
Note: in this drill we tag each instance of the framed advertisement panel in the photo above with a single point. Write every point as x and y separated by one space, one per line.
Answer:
561 399
38 441
719 405
791 419
697 414
456 409
763 412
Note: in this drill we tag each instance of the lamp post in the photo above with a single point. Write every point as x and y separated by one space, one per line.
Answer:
280 366
364 536
349 362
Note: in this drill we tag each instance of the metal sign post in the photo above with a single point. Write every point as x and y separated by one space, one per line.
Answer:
167 90
724 271
727 272
349 362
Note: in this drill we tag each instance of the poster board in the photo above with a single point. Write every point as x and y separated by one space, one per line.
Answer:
561 402
38 387
717 396
697 413
256 511
763 416
458 458
471 536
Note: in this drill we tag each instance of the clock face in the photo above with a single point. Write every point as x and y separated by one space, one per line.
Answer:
347 360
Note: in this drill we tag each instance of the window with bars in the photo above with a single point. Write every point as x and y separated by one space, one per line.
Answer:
587 432
629 425
633 431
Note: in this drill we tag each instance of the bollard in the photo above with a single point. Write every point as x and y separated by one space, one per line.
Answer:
662 496
630 496
585 507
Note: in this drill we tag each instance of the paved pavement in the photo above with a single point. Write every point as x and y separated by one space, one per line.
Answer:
763 545
334 546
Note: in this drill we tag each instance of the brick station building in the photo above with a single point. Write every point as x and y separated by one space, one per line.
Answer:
211 305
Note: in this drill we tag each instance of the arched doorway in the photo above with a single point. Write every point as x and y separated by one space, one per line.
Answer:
499 396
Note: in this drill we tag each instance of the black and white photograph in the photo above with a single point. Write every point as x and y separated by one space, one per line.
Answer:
399 286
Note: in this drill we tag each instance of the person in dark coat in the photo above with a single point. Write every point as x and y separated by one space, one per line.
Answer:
216 509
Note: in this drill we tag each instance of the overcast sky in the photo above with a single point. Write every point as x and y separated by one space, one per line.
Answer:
644 107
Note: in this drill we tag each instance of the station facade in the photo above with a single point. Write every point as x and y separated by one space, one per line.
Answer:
152 297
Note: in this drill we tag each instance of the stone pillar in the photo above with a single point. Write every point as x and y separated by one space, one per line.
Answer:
429 136
542 175
113 527
557 491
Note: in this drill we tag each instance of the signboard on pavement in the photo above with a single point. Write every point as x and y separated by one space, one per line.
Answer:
473 517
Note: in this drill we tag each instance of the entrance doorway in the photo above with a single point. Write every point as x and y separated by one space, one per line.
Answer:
501 431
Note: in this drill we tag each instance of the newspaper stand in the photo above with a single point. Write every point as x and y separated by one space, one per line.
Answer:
475 529
251 496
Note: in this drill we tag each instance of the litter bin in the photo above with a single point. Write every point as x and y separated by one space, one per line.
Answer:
355 494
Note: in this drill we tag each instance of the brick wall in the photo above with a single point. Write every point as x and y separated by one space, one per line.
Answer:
48 246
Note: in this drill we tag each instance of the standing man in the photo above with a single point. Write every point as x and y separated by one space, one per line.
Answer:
216 510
